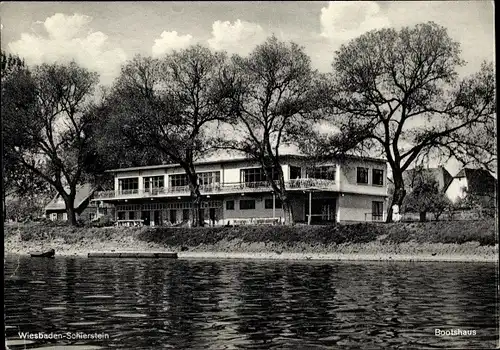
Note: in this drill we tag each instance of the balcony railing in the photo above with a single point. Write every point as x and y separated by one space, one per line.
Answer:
298 184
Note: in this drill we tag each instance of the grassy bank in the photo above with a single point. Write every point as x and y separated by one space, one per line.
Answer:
460 240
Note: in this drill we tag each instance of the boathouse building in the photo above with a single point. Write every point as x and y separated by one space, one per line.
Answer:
235 191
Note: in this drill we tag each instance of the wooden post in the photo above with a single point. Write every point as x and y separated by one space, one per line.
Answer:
274 206
310 209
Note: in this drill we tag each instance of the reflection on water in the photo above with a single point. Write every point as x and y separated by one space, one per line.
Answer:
194 304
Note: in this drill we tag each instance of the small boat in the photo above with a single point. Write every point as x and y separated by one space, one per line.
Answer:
48 254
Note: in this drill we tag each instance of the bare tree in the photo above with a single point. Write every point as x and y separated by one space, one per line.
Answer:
50 142
173 104
273 96
401 91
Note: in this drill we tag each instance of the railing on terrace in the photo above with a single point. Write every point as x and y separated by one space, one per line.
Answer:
218 188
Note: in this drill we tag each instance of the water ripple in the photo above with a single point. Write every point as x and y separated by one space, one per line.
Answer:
154 304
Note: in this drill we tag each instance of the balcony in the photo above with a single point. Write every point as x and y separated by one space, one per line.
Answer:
217 188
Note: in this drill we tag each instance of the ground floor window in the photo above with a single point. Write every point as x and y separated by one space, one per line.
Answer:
229 205
121 215
246 204
277 203
185 214
131 215
377 211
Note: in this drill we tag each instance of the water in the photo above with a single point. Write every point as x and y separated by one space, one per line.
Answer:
226 304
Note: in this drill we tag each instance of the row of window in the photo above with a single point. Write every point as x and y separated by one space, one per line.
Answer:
248 175
160 216
176 180
159 206
258 175
377 176
246 204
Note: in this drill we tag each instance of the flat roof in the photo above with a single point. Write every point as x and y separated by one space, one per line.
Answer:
234 160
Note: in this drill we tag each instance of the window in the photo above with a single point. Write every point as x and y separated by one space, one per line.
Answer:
362 175
229 205
131 185
121 215
378 177
131 215
247 204
323 172
269 203
377 211
185 214
178 180
294 172
209 178
153 182
256 175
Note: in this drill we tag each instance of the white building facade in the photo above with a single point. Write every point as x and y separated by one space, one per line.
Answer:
235 192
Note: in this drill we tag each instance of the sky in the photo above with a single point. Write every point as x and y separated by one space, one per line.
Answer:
101 36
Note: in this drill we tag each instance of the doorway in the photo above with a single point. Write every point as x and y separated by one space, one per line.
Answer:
322 210
173 216
157 218
146 217
212 217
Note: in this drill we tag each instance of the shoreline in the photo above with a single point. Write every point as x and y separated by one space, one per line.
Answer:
404 252
437 241
298 257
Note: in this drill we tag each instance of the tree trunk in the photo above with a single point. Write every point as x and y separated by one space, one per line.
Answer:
197 218
70 209
423 216
286 204
398 196
287 209
4 207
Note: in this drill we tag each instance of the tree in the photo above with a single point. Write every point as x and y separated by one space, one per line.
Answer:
424 195
274 96
10 63
401 91
172 105
12 68
109 149
482 203
17 98
46 119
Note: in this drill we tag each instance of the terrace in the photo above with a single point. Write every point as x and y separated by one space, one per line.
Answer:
217 188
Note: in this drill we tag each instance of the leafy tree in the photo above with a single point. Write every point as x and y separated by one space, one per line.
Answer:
109 149
44 114
171 105
17 99
274 97
10 63
483 204
400 90
424 195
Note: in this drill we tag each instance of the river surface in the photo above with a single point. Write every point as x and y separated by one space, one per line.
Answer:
230 304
